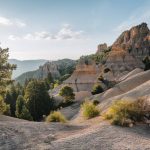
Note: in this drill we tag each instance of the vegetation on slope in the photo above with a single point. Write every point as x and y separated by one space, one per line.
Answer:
89 110
126 112
56 116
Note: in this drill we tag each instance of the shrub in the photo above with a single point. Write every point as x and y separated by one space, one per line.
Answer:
67 93
97 88
56 116
95 102
146 61
123 112
89 110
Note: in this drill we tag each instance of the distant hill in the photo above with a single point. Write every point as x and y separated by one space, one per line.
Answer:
56 68
25 66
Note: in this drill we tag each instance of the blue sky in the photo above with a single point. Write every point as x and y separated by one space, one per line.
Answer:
56 29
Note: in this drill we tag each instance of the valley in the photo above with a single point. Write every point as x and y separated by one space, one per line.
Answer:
123 76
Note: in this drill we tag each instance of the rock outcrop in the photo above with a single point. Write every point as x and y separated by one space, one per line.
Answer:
56 68
128 51
83 78
101 48
125 55
49 67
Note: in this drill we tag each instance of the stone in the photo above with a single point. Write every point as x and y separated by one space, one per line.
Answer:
101 48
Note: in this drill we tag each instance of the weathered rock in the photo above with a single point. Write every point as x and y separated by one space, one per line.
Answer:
128 51
48 67
101 48
83 78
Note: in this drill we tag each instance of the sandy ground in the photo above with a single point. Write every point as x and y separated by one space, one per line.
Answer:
93 134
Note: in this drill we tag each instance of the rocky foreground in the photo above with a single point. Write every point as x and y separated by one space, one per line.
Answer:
94 134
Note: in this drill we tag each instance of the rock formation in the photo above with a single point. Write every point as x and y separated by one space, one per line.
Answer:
126 54
101 48
128 51
49 67
56 68
84 77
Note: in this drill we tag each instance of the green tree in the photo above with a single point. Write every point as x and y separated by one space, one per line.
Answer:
11 96
21 110
25 114
97 88
38 101
19 105
5 70
49 81
5 76
67 93
4 109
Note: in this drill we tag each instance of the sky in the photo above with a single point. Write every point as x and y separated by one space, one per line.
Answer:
57 29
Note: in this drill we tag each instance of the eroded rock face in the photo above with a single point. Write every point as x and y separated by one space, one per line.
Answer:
101 48
129 50
84 77
136 41
49 67
125 55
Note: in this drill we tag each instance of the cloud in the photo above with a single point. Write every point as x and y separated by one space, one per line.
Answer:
11 22
19 23
65 33
139 16
68 33
5 21
13 37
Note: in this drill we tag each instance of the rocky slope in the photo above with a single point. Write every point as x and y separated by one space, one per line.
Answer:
56 68
25 66
125 54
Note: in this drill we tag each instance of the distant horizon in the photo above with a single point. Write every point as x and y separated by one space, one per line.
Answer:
65 29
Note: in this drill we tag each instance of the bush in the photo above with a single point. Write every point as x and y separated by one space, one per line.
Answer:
89 110
146 61
125 112
56 116
97 88
67 93
95 102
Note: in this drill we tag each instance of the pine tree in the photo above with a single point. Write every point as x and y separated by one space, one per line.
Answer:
38 101
25 114
5 76
21 110
19 105
5 70
4 109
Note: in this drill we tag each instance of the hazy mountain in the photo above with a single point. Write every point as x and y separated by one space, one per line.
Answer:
56 68
25 65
